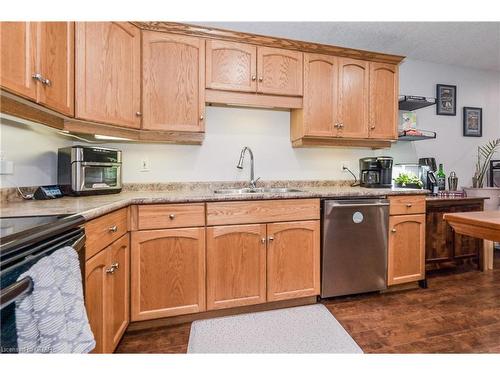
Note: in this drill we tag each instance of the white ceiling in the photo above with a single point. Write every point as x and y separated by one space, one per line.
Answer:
471 44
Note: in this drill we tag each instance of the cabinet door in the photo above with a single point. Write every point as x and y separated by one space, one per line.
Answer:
118 297
173 82
57 65
320 95
97 299
438 236
107 73
231 66
279 71
293 260
236 265
384 91
353 98
167 273
406 250
17 58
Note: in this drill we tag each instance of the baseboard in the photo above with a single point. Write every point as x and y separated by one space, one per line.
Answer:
174 320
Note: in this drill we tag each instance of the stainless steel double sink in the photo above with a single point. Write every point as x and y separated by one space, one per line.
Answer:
235 191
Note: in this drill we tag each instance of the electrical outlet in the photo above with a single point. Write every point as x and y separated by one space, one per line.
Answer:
145 165
345 164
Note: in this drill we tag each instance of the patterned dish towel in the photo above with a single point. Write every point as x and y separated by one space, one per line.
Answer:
52 318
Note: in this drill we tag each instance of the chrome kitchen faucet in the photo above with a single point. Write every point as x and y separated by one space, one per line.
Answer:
253 181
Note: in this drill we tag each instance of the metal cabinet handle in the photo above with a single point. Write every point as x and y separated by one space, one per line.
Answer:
263 240
171 216
113 229
341 125
271 238
393 230
254 77
336 125
37 77
261 79
138 114
115 265
110 270
409 205
46 81
372 127
201 118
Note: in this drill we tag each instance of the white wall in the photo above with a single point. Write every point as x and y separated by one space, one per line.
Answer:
267 133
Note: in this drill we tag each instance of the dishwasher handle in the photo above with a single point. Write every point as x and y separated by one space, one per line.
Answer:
357 203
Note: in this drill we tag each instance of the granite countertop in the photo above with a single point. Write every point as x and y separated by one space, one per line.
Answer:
93 206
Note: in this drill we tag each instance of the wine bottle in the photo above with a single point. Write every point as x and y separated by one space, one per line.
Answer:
441 177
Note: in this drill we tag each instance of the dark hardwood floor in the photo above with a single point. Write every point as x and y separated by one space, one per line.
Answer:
458 313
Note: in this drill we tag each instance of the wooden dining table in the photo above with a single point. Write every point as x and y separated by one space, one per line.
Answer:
480 224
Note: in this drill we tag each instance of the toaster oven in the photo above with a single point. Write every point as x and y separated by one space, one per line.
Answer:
84 170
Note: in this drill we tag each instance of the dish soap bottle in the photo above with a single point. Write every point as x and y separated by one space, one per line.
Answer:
441 177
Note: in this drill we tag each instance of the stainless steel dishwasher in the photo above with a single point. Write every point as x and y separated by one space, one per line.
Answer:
354 246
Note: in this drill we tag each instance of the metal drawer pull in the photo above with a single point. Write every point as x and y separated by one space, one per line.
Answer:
263 240
113 229
408 205
37 77
271 238
393 230
115 265
46 81
171 216
254 77
110 270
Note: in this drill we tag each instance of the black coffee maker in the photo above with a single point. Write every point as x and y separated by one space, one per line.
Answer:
375 172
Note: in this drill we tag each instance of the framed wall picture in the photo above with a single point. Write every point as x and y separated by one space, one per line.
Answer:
473 122
446 100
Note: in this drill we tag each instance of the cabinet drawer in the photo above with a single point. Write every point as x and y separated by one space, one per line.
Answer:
405 205
104 230
164 216
222 213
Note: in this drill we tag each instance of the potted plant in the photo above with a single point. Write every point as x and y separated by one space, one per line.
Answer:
484 155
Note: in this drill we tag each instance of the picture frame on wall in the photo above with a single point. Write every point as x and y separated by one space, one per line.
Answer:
446 100
473 122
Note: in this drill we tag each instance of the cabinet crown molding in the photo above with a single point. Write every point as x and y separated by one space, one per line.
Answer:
268 41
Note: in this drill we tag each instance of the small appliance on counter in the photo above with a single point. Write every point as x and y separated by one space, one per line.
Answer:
84 170
375 172
420 171
494 178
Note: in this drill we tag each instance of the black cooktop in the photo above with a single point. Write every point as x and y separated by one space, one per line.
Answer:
27 230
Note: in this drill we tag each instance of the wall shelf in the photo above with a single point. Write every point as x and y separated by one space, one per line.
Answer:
415 135
411 102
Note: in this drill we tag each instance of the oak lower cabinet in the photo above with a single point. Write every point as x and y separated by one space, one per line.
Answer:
108 73
173 82
167 273
37 62
107 294
406 249
293 260
256 263
236 265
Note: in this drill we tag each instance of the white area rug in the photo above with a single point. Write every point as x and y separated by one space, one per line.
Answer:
305 329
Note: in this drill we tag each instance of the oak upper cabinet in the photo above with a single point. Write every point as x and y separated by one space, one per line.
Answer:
353 98
406 249
279 71
173 71
293 259
18 53
236 265
37 62
108 73
57 67
318 117
168 273
107 294
231 66
383 102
